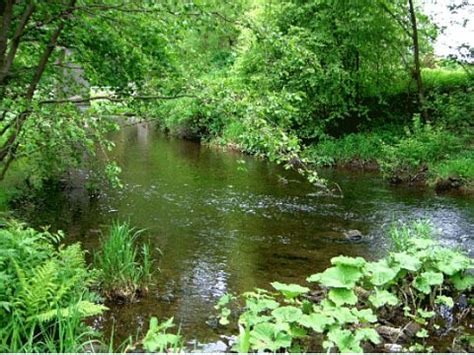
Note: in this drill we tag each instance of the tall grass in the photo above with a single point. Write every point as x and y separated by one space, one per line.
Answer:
125 268
400 234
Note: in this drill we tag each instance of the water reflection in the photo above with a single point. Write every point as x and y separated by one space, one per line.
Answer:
221 228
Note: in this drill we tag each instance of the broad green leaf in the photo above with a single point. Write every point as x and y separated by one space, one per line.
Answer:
265 336
259 305
422 333
364 315
343 315
425 280
381 272
406 261
337 276
290 290
425 314
297 332
341 296
422 285
357 262
433 278
451 262
462 282
316 321
446 300
368 334
225 299
382 297
287 314
345 341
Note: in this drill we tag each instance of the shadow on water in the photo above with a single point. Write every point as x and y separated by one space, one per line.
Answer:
224 226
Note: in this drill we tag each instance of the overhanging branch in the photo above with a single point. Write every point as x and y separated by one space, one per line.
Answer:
116 99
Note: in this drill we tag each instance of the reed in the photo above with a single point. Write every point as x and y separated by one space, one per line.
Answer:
125 268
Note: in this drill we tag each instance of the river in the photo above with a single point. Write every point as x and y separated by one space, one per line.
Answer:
227 222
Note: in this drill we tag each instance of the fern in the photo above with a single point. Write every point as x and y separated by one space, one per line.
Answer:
45 292
82 308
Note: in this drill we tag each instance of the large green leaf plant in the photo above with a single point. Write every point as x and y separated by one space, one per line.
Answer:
356 295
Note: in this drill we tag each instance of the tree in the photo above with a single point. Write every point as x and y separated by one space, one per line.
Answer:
404 13
116 44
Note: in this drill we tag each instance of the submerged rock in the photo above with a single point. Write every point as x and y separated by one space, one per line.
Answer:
217 347
353 235
393 348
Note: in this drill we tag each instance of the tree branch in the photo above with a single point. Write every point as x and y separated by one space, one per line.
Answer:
396 18
15 42
115 99
7 150
7 11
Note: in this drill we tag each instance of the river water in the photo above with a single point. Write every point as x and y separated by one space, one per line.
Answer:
226 222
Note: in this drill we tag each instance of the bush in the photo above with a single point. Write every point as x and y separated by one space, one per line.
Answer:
124 268
461 167
454 110
354 298
364 147
45 294
423 144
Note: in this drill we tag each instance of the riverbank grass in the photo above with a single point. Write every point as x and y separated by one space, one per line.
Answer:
415 153
125 267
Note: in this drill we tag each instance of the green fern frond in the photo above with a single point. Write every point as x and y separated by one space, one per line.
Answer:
82 308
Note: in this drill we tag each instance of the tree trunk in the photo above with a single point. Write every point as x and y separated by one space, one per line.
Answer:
417 69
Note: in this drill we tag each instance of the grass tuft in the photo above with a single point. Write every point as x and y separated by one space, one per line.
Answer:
125 268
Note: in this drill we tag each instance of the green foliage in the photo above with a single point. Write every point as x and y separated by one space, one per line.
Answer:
422 144
420 152
158 340
45 294
412 280
125 269
458 167
362 147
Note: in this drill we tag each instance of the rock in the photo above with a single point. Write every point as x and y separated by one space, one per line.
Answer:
353 235
393 348
411 329
450 183
230 340
391 334
217 347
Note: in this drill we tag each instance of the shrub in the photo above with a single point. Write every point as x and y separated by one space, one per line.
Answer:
423 144
461 167
125 269
355 298
45 294
364 147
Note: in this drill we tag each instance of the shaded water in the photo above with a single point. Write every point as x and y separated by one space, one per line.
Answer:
226 222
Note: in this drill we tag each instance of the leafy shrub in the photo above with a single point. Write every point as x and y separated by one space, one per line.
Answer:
422 144
45 293
409 285
124 268
461 166
453 109
364 147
